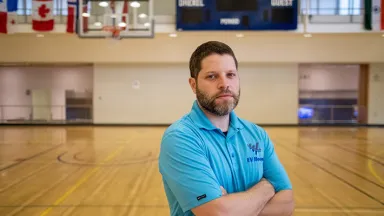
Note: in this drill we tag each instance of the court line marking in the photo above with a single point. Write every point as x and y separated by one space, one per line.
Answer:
26 177
373 171
347 169
83 179
370 157
30 157
277 143
124 163
298 209
338 210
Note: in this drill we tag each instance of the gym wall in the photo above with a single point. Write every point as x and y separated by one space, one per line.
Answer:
15 82
253 48
376 94
269 93
161 66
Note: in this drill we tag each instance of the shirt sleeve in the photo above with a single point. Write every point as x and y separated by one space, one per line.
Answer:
186 170
274 171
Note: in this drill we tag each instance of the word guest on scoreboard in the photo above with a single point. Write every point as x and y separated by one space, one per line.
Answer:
237 14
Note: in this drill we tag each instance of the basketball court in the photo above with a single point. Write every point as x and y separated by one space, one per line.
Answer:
114 170
88 87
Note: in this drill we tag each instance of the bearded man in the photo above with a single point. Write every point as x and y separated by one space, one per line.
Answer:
213 162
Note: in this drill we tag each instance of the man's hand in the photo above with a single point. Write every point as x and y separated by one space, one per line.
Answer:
282 204
223 191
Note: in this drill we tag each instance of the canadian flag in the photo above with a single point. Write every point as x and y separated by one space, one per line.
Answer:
42 15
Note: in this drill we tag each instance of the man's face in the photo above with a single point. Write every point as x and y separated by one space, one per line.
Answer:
218 85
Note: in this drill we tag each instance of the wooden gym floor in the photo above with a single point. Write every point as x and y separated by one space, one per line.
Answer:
114 170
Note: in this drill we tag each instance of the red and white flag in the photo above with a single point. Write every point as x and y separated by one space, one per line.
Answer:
8 16
42 15
85 18
125 14
74 17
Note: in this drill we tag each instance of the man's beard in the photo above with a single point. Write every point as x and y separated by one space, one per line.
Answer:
221 109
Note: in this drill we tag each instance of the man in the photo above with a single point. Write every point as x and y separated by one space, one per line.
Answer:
213 162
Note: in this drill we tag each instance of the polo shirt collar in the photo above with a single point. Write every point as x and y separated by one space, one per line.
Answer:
199 118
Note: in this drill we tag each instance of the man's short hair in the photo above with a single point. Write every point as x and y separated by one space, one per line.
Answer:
206 49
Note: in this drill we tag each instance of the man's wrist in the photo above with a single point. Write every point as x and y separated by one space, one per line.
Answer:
263 187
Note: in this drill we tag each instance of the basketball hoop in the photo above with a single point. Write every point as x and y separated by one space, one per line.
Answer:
114 32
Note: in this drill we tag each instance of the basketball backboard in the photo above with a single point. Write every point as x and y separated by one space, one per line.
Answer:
116 19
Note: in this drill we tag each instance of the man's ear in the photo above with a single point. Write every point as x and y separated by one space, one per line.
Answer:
192 83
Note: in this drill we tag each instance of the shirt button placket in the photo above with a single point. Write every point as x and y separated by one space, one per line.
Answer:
231 154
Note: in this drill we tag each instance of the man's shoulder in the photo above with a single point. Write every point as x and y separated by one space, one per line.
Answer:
183 125
182 131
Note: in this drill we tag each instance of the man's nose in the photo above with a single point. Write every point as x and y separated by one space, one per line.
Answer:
223 83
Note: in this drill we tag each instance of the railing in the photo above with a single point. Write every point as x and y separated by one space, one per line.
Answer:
329 113
333 11
84 114
45 114
350 10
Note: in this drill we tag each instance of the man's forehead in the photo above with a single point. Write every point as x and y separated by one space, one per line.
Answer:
218 63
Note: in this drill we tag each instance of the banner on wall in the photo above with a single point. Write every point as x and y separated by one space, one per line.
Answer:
73 16
237 14
42 15
8 16
374 15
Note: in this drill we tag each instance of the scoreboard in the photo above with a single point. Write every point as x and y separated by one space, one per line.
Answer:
236 14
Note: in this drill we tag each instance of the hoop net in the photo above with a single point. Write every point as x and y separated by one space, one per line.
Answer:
114 32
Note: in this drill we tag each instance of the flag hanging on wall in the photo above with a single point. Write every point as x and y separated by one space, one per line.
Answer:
374 15
8 16
42 15
380 17
125 14
73 16
85 20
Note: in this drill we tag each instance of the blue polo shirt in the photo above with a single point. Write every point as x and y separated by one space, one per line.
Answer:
196 158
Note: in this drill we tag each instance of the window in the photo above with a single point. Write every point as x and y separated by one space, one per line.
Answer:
344 7
328 7
25 7
313 6
331 7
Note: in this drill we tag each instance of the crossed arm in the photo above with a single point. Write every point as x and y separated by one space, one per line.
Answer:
259 200
194 186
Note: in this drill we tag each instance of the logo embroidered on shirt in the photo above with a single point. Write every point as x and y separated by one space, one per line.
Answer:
255 149
201 197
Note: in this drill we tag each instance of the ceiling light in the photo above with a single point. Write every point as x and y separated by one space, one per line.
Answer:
103 4
143 15
97 24
85 14
122 24
135 4
147 24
